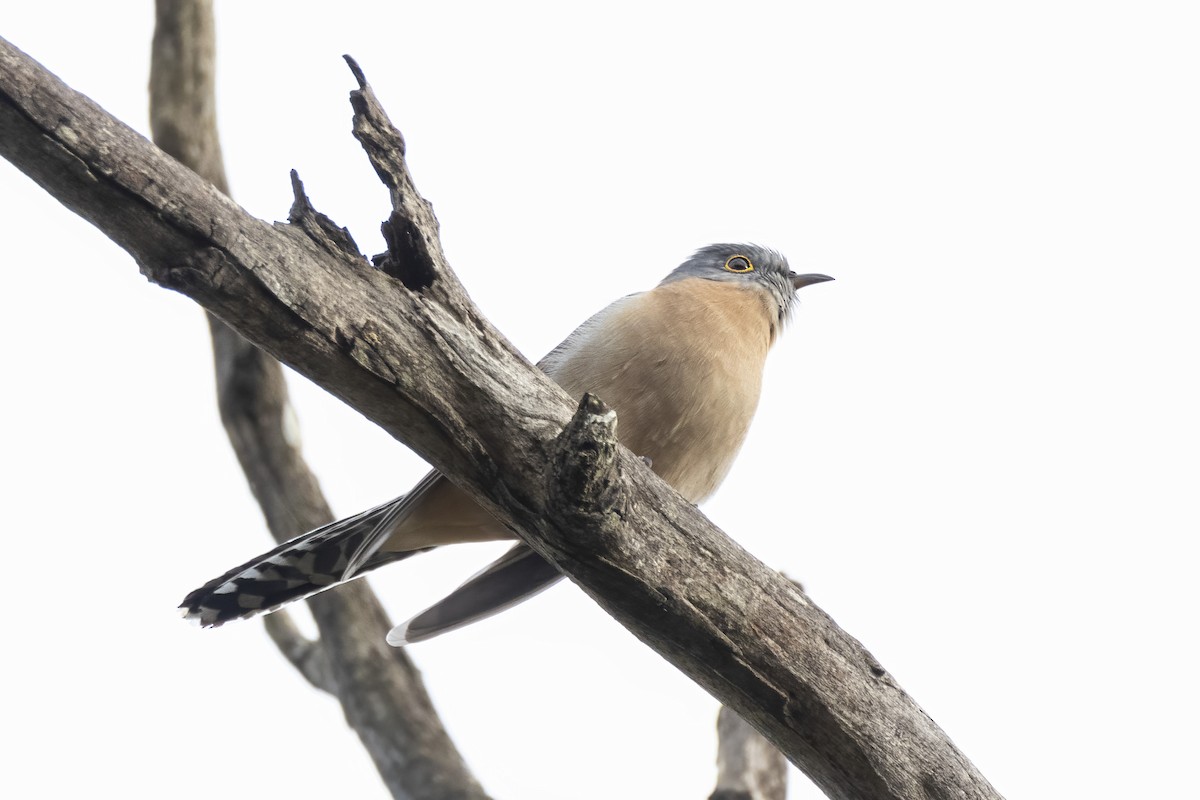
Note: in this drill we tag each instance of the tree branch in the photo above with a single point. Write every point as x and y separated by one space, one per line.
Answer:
748 767
380 690
429 369
306 655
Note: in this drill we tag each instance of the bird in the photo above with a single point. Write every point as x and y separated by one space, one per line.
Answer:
681 364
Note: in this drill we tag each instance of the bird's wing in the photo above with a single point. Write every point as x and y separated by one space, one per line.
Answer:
583 336
516 576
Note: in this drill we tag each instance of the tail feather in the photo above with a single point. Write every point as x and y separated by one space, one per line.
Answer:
298 568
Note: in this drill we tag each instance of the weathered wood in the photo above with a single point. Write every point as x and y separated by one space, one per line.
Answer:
429 369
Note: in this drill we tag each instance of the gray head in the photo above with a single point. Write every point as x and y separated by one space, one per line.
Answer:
748 265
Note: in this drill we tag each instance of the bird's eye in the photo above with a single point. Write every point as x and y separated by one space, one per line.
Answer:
738 264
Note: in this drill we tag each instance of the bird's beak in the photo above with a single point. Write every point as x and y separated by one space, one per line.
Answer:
800 281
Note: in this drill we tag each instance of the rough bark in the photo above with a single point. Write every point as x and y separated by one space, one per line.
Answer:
414 355
381 692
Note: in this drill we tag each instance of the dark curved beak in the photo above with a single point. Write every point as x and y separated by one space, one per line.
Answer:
800 281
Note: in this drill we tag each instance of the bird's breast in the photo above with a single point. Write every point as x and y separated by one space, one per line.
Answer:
682 365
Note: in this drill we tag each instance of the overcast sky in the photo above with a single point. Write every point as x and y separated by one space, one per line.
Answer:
979 449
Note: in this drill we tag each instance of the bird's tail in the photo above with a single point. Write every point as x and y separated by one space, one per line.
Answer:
295 569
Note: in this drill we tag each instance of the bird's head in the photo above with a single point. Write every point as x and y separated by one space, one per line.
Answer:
748 265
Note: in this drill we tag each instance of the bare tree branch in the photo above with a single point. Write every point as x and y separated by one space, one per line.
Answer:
382 693
416 357
748 766
306 655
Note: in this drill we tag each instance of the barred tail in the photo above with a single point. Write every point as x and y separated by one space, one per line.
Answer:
298 568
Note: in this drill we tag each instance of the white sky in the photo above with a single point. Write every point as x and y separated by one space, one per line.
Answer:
978 449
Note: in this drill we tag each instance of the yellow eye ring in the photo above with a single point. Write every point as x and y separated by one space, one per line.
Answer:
739 264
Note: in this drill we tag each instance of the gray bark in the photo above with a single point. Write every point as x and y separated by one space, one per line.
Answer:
405 347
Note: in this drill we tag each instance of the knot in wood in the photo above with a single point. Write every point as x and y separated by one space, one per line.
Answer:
583 476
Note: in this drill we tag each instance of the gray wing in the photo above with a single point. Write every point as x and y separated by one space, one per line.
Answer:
580 337
514 577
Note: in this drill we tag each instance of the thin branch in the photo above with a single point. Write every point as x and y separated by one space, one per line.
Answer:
306 655
748 766
382 693
429 369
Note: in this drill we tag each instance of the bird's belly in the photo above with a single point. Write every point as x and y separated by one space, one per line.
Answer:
682 366
691 427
